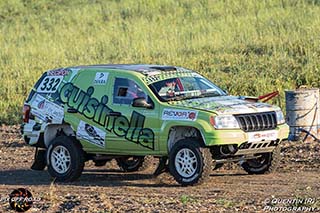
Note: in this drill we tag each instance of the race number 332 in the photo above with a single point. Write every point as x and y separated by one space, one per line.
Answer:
49 84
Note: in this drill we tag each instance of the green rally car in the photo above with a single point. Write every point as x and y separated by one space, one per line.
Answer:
128 112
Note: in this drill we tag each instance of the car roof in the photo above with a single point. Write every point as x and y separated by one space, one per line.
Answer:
145 69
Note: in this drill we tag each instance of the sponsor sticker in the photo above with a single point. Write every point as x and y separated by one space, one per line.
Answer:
101 78
60 72
91 133
46 110
262 136
177 114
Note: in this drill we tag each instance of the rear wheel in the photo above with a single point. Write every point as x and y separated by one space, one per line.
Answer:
265 163
65 159
189 163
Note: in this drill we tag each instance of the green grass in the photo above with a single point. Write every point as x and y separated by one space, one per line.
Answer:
247 47
186 199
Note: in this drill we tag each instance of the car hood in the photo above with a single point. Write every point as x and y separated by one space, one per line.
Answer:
225 105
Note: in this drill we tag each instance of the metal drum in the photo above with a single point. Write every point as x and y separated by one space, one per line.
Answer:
302 113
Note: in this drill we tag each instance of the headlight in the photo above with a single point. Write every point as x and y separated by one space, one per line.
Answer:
280 117
224 122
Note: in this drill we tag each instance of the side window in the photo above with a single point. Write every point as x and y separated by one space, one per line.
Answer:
125 90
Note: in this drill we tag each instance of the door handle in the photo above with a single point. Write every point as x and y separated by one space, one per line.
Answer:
72 110
115 113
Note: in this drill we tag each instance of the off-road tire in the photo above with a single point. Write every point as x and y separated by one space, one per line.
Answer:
73 150
202 165
270 163
134 163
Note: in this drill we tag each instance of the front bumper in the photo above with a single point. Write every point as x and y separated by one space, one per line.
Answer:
238 137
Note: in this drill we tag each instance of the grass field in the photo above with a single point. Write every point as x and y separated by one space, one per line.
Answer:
246 47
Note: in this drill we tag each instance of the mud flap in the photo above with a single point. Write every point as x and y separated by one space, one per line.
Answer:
39 160
162 167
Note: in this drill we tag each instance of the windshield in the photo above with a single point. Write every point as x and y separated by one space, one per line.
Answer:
180 88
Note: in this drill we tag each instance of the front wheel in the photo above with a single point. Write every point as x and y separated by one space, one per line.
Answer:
65 159
265 163
189 163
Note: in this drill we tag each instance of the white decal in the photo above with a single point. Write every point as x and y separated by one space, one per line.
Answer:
101 78
54 111
60 72
37 107
263 136
46 110
177 114
92 134
49 84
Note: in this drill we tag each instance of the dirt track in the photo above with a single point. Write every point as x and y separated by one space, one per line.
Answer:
103 189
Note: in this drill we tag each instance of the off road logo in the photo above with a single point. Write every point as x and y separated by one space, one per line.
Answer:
20 200
100 113
176 114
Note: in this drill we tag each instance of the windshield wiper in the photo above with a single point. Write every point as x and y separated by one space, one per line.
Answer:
194 97
185 97
204 95
176 98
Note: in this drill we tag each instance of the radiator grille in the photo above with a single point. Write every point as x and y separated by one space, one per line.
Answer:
257 121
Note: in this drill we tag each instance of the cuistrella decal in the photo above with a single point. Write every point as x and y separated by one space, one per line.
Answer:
97 110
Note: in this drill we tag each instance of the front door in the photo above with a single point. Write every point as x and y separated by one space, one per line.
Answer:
131 129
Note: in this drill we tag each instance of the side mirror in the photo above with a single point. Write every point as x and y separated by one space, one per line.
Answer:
141 102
